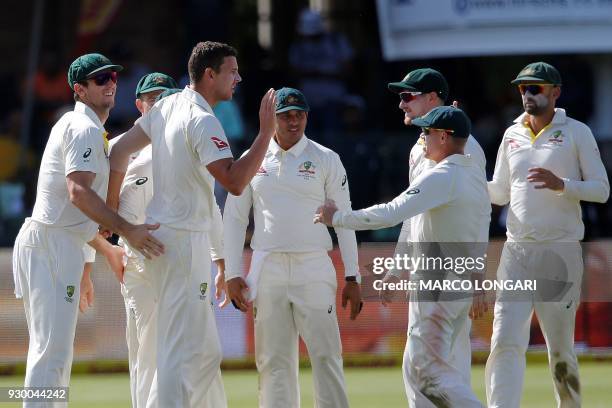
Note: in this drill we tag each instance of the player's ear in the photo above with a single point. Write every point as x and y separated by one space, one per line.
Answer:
209 73
139 105
556 92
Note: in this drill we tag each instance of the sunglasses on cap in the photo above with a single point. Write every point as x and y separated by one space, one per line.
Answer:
426 130
533 89
103 78
409 96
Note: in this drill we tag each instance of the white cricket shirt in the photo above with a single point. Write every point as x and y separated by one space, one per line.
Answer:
419 164
76 143
567 148
136 193
285 194
452 198
186 137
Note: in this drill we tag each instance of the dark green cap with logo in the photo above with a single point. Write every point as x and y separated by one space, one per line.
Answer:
446 118
154 81
290 99
88 65
167 92
423 80
540 73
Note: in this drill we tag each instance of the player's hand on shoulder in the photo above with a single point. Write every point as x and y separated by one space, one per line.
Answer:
140 238
236 288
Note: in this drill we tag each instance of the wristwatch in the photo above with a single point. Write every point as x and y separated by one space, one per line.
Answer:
353 278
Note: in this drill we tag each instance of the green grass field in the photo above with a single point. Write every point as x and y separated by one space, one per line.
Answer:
367 387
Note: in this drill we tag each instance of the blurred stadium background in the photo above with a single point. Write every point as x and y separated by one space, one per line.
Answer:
479 45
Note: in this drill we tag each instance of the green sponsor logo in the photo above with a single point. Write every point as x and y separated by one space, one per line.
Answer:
70 290
203 287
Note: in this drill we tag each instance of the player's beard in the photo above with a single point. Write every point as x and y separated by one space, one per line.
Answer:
539 104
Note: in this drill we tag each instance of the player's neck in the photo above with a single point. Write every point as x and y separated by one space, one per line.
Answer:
539 122
101 113
207 94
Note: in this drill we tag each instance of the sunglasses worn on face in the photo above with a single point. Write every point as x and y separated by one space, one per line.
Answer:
533 89
427 130
409 96
103 78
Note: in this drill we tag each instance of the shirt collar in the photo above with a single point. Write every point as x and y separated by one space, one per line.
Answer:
82 108
558 118
197 98
459 159
296 150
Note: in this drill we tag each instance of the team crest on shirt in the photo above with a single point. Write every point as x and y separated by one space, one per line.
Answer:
69 293
203 287
221 144
307 170
557 137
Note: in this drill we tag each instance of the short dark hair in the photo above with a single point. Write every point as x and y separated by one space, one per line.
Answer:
208 54
76 95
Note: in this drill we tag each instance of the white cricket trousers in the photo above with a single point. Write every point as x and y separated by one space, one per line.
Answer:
505 367
188 348
48 264
437 359
296 296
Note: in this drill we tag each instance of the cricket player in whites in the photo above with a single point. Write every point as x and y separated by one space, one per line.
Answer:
420 91
292 279
48 256
136 193
189 151
546 164
455 209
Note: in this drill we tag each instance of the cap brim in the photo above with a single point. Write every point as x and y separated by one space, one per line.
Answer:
531 79
288 108
155 88
420 122
398 87
111 67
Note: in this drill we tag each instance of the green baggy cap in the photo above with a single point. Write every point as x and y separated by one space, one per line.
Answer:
155 81
538 72
423 80
447 118
87 65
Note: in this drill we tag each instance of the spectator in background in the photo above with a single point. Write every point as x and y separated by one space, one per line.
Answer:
320 60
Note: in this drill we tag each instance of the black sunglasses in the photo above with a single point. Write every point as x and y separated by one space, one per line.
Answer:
533 89
103 78
409 96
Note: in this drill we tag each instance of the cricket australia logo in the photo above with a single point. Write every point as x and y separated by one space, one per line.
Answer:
556 137
307 170
203 287
69 293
